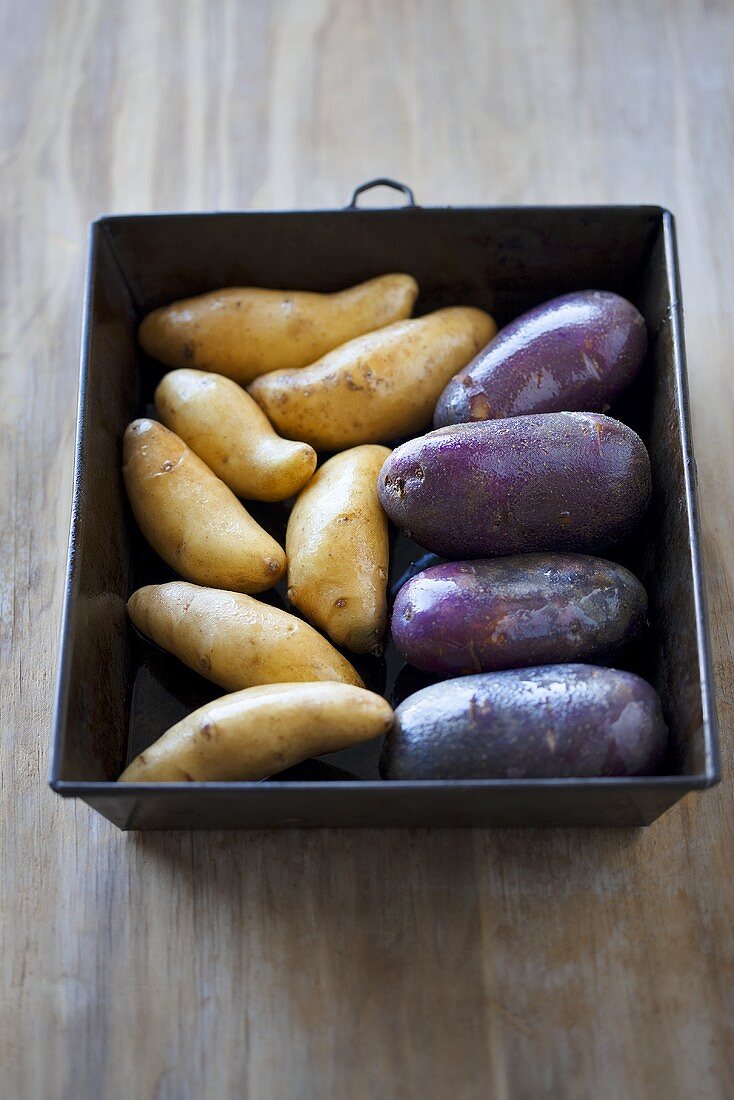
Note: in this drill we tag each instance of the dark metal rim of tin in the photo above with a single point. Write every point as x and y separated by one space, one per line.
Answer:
70 787
697 781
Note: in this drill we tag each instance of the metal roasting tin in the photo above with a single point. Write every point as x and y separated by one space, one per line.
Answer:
117 692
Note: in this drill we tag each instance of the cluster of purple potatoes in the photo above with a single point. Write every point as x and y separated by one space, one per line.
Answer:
522 483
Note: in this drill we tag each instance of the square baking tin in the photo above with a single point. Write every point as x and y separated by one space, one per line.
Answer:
117 693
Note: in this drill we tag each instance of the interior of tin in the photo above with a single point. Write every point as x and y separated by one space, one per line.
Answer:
123 692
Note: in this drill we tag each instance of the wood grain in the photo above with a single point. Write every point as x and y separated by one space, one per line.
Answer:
397 964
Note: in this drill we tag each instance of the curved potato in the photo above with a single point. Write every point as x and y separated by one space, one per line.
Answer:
191 518
222 424
234 640
243 332
337 550
261 730
378 387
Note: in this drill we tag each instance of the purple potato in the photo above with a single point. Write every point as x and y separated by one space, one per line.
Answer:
535 723
554 481
576 352
534 609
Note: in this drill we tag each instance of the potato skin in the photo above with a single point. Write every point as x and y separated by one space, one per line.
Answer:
254 733
234 640
243 332
191 518
553 481
222 424
337 550
532 609
378 387
537 723
573 353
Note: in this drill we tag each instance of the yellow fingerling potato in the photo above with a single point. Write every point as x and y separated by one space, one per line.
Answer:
234 640
243 332
378 387
254 733
191 518
222 424
337 550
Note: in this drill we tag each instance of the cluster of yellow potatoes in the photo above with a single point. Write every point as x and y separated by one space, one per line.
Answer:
324 372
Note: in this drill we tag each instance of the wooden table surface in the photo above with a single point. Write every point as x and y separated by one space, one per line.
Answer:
350 964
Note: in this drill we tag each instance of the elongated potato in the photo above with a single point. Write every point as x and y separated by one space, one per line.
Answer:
535 723
191 518
243 332
234 640
337 550
574 353
222 424
378 387
552 481
531 609
261 730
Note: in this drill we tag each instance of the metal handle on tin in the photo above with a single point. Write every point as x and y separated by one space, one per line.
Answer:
383 182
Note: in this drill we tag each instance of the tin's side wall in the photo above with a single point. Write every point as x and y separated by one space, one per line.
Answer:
95 675
356 805
668 571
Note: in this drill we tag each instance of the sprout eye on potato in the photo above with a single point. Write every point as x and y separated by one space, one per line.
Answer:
243 332
523 473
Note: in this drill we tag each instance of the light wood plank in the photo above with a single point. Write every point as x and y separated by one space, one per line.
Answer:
392 964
